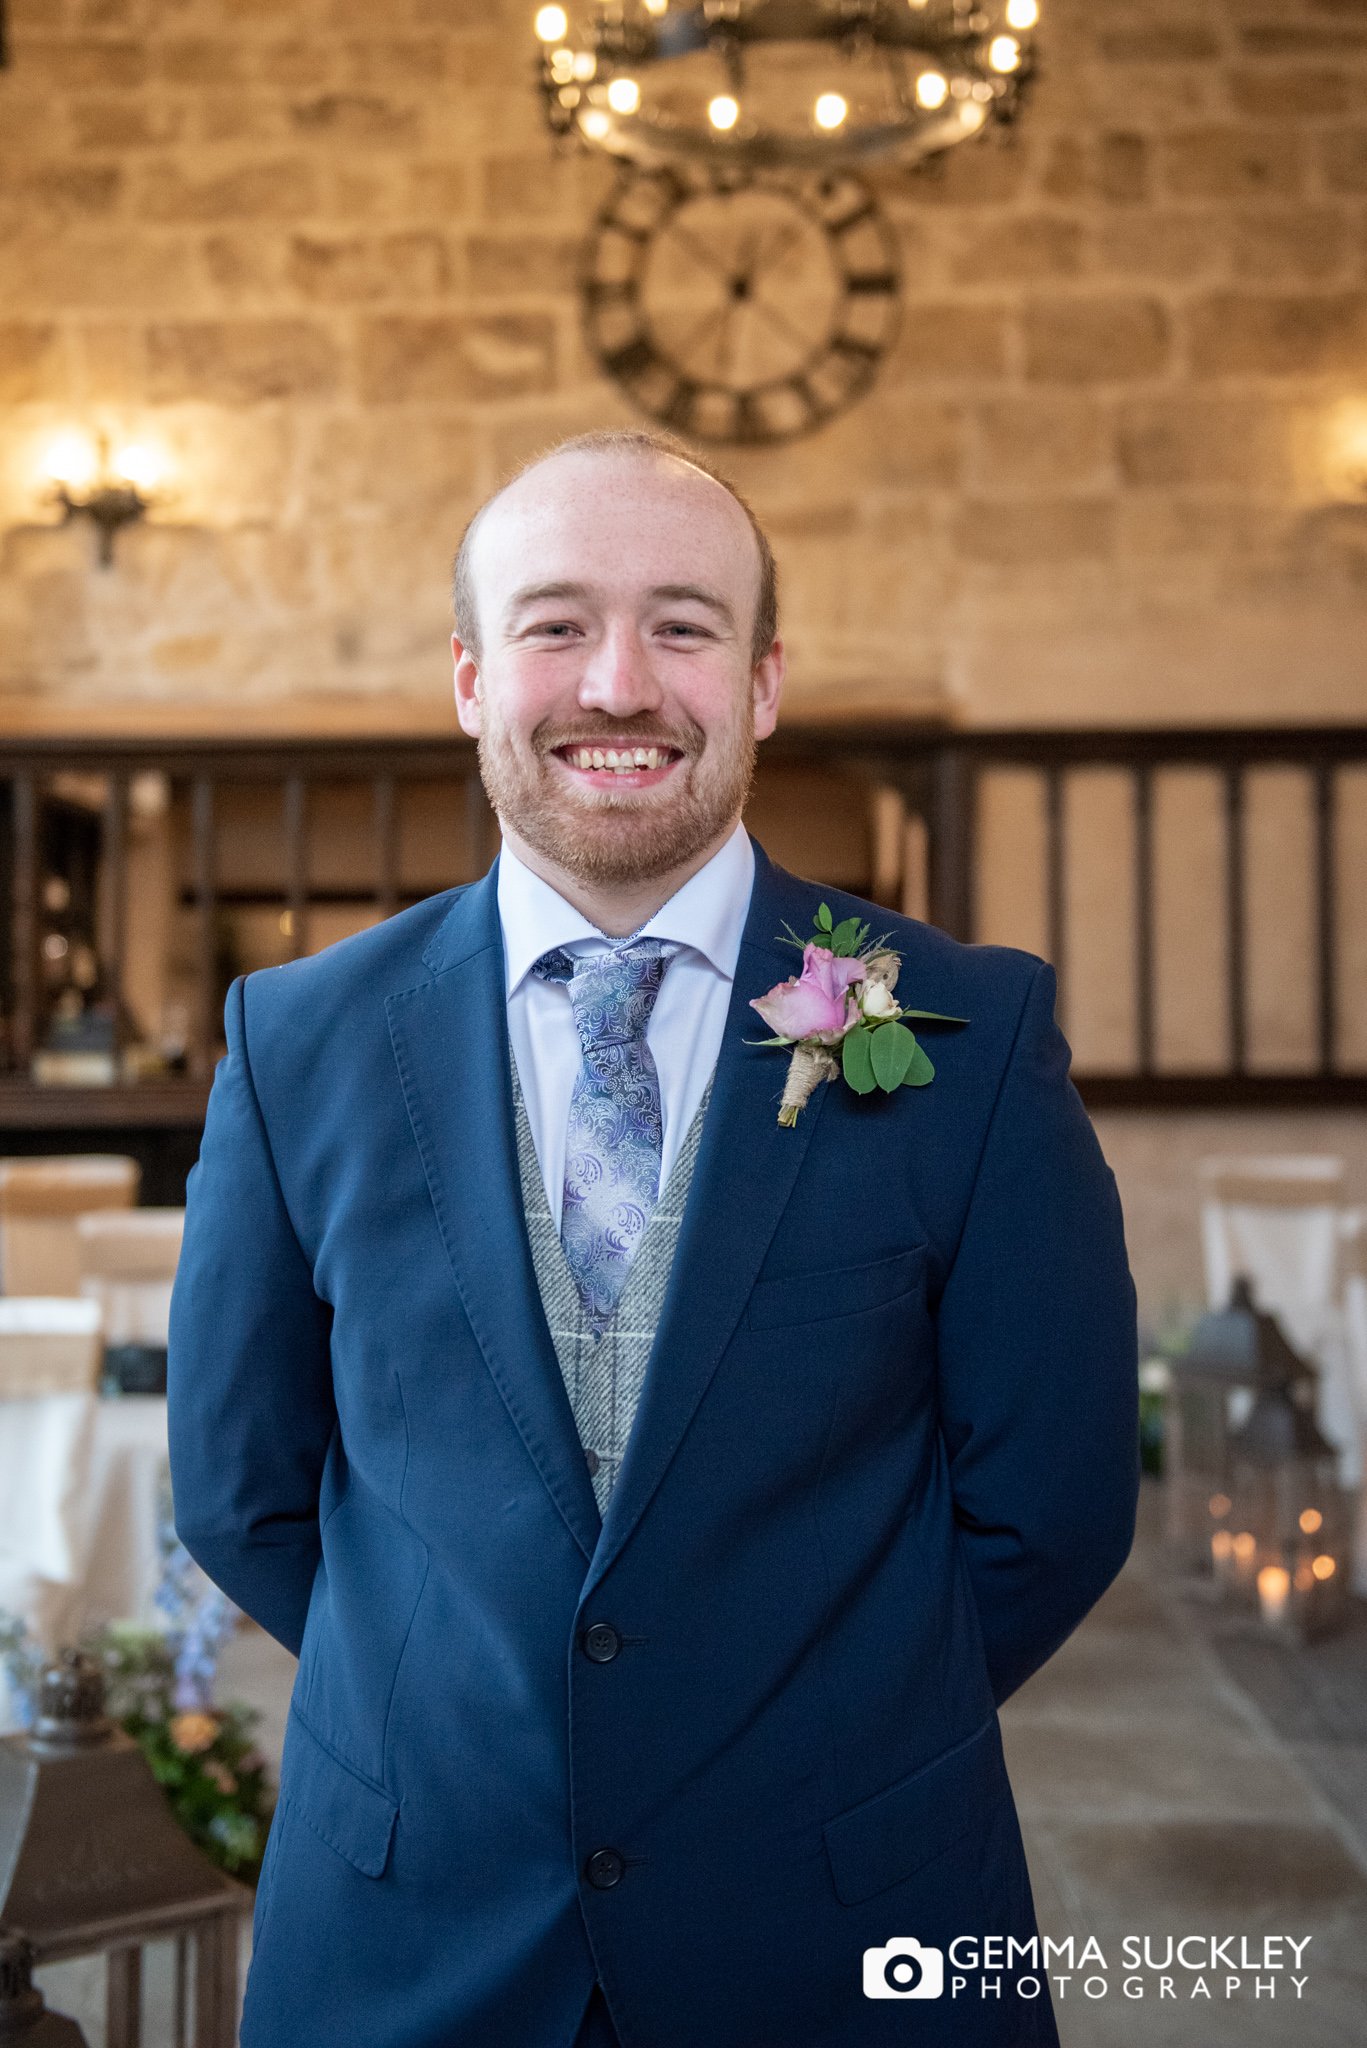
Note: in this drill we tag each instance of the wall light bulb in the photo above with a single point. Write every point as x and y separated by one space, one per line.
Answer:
624 95
139 465
657 6
73 461
932 89
830 109
551 24
723 112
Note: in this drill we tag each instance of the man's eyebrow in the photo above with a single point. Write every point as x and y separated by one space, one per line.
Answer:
678 593
675 593
534 593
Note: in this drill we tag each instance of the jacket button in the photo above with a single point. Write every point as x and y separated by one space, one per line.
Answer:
604 1869
601 1642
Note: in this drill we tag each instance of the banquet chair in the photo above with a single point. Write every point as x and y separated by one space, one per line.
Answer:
40 1200
127 1261
51 1351
1278 1220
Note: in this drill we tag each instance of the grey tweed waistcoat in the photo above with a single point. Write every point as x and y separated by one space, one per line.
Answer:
604 1371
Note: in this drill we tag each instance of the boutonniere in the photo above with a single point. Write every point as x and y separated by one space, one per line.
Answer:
840 1016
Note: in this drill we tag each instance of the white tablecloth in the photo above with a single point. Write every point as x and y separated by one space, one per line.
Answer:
81 1483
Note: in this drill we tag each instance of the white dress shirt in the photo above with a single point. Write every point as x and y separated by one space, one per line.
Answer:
704 918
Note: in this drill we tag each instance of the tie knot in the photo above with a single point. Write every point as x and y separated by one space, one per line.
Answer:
613 994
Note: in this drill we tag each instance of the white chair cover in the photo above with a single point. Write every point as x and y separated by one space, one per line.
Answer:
50 1353
128 1265
1277 1219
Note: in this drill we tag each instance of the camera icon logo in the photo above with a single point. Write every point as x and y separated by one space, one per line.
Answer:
904 1969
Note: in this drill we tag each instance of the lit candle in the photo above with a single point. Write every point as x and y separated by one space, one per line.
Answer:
1274 1591
1245 1548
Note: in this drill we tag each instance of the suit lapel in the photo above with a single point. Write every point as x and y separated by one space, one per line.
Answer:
450 1039
746 1168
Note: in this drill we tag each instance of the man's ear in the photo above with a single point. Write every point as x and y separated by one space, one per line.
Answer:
769 672
469 691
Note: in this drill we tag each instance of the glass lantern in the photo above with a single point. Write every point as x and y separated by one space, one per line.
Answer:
1210 1390
1291 1513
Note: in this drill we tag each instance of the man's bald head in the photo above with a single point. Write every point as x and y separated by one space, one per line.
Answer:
617 443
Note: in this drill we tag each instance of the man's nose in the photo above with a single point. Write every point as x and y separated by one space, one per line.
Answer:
617 677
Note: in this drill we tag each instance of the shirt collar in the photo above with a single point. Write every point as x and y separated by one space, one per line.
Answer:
707 913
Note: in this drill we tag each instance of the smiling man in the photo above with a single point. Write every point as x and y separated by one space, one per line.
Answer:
661 1499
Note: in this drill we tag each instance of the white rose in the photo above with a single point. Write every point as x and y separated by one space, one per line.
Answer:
878 1001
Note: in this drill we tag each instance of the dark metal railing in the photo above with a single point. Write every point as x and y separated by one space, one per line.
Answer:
934 775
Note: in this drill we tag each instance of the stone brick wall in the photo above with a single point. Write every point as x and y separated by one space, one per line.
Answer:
1115 470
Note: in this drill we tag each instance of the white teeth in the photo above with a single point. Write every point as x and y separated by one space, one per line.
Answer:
622 760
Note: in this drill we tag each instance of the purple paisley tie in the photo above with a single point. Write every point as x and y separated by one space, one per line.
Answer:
612 1144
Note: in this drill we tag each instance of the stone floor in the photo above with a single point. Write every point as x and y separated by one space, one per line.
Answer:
1173 1778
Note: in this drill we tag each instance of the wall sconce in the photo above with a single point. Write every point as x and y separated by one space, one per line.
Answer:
1345 450
111 491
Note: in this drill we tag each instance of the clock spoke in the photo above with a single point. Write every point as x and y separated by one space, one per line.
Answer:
787 233
684 351
699 251
781 324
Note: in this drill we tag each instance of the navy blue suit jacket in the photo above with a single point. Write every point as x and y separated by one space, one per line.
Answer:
885 1460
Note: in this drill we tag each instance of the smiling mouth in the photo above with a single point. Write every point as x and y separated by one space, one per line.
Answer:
633 761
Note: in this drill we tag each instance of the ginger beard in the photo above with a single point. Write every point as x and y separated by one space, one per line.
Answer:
606 836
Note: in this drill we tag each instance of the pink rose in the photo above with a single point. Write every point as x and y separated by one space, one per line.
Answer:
817 1003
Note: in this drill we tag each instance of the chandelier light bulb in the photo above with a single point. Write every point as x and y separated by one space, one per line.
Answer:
972 114
657 6
585 64
1022 13
624 95
595 123
1004 53
723 112
551 24
831 109
932 89
72 461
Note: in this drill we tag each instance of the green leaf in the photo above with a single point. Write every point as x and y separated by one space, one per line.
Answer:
920 1071
856 1060
845 938
823 917
936 1016
891 1053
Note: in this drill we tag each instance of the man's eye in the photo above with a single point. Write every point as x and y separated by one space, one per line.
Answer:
555 626
683 626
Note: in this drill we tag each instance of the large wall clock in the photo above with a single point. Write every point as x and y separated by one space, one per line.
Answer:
741 307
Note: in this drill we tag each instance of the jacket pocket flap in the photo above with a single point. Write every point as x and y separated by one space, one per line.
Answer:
353 1816
837 1291
887 1838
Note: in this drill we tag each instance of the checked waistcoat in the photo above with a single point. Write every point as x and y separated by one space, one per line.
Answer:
604 1370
